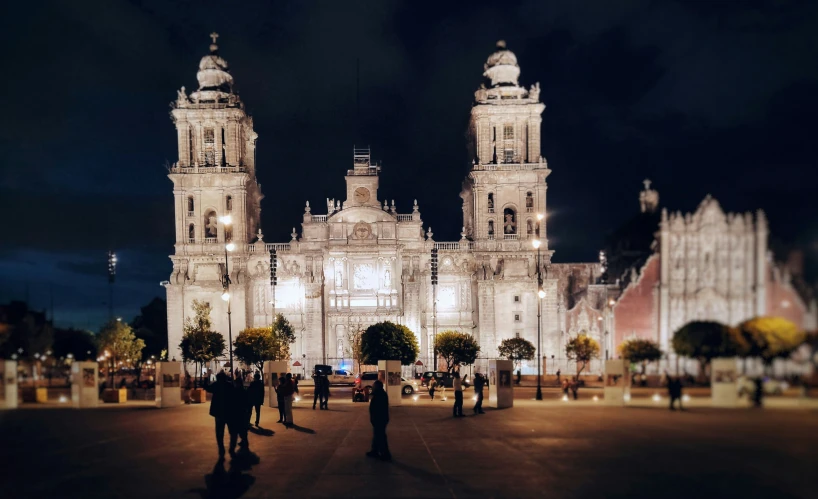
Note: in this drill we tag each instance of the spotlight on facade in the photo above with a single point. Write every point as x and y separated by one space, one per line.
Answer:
226 220
541 293
536 243
226 296
540 216
230 246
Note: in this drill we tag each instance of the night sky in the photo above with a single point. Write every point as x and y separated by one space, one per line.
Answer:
700 97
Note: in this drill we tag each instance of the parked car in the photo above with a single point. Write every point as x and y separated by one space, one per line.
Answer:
341 377
366 380
443 379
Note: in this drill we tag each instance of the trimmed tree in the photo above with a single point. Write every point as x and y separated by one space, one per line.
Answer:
388 341
517 350
254 345
456 348
119 340
199 343
706 340
640 351
769 338
582 349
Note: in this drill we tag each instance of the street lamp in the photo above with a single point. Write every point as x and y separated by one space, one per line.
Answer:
229 246
540 294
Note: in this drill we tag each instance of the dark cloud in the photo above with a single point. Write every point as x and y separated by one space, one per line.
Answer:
702 97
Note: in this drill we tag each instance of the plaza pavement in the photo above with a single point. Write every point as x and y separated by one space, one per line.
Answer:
537 449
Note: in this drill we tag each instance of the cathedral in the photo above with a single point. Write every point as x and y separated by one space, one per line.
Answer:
357 261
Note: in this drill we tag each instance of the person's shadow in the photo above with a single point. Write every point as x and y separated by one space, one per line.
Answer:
230 483
302 429
258 430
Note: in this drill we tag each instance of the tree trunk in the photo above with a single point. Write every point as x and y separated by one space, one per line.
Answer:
703 371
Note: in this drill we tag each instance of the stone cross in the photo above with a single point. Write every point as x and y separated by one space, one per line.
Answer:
213 36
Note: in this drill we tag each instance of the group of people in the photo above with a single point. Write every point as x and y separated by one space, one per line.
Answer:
232 406
457 386
572 385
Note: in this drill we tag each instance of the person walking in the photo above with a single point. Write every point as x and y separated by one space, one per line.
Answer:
238 411
324 393
432 387
758 393
255 392
280 399
558 376
575 387
457 386
319 391
674 391
479 382
219 405
379 418
287 390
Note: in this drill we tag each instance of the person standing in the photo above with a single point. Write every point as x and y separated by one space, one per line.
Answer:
324 393
280 399
219 407
558 376
237 415
575 387
379 418
479 382
255 393
287 390
674 391
432 387
758 393
457 386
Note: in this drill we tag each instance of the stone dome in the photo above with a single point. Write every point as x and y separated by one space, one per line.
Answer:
501 67
213 72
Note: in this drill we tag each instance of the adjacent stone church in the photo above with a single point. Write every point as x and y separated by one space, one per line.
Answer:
357 261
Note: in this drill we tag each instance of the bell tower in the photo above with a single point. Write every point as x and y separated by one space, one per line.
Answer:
362 180
216 201
506 188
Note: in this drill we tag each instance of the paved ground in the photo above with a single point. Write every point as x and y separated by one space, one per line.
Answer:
550 448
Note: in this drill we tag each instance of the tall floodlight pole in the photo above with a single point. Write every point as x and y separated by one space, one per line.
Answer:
273 280
434 305
540 295
229 246
111 279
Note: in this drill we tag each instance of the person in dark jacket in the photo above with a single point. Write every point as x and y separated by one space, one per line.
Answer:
324 392
479 383
237 415
219 405
280 399
255 393
288 389
317 396
379 417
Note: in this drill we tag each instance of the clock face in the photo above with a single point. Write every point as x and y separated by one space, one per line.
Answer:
362 194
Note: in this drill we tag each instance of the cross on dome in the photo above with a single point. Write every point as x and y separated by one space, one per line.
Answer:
214 36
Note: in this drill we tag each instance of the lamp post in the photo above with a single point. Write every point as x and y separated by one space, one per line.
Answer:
540 295
111 279
229 246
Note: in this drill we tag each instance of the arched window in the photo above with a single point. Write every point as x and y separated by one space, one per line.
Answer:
190 206
491 202
229 203
491 229
191 233
529 202
509 221
211 224
529 227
